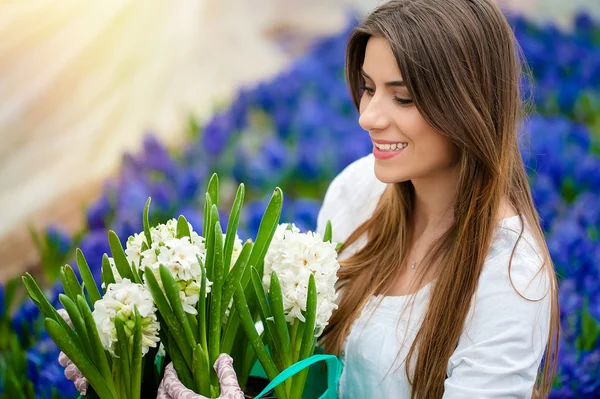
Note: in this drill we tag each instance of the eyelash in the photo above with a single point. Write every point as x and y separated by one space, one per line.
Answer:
399 101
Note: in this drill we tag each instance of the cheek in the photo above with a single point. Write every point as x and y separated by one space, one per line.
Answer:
437 149
424 138
430 150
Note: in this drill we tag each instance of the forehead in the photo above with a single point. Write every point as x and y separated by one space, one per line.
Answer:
380 62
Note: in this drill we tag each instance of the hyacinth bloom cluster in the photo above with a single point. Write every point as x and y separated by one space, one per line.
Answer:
182 256
294 256
296 121
161 281
119 301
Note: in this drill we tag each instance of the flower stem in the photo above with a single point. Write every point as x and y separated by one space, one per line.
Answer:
295 347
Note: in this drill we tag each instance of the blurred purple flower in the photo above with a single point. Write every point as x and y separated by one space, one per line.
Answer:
2 302
164 197
131 198
194 217
59 239
156 157
98 212
93 246
189 182
304 214
216 134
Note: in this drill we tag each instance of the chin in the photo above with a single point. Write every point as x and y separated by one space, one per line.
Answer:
389 177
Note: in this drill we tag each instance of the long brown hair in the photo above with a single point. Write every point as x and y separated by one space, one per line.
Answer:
462 65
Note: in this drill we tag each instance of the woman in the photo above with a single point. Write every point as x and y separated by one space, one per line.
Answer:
447 287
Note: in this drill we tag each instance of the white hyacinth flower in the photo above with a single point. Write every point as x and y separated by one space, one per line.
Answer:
294 256
133 248
115 272
180 257
119 301
159 233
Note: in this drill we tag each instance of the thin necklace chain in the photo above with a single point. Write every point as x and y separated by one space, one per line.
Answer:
413 263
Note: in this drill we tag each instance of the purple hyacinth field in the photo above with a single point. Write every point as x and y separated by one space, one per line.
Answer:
297 131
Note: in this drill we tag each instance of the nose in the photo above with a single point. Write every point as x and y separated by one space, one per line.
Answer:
373 116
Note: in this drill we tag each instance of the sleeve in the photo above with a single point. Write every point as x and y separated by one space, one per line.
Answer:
350 199
501 348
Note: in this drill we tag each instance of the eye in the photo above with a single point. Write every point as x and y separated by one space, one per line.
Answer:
364 89
403 101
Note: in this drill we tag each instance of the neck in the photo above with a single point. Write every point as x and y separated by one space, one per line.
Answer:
434 201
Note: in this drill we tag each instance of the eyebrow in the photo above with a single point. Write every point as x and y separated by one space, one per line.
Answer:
395 83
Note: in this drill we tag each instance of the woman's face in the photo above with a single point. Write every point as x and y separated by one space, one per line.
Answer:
405 146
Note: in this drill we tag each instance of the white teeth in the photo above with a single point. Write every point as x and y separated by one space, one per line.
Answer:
391 147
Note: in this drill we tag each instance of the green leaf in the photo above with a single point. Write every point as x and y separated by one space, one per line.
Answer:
229 332
170 319
172 290
147 223
123 354
78 323
36 295
569 190
590 331
105 389
69 290
281 328
255 340
213 189
87 277
201 371
181 366
116 367
308 340
232 225
214 337
307 347
201 307
234 276
183 228
72 281
107 274
328 232
100 359
191 318
210 242
10 294
265 315
267 228
206 231
120 258
136 357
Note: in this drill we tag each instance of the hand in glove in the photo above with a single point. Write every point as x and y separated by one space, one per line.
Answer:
171 388
71 371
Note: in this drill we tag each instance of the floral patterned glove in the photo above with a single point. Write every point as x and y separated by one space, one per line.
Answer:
171 388
71 371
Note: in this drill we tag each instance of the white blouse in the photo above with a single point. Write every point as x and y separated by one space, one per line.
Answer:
502 344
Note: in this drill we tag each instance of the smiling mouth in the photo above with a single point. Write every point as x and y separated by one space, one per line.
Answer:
391 147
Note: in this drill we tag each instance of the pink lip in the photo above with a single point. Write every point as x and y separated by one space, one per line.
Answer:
386 154
386 141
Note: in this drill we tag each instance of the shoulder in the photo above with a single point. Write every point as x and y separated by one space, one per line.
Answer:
514 288
515 256
504 336
350 198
